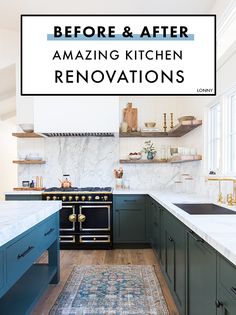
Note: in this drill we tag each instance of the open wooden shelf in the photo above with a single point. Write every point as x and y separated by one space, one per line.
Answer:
181 159
26 135
28 189
29 162
178 131
141 161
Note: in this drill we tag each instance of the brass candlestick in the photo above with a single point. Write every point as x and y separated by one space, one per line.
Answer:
171 120
164 123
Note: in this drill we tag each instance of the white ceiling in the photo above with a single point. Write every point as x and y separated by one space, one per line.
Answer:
11 10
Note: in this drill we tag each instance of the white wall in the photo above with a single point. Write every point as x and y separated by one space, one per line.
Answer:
9 51
8 149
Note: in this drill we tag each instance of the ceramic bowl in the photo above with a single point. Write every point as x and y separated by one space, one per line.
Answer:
150 124
135 157
27 127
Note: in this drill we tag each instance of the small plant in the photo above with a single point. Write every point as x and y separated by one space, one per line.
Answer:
149 147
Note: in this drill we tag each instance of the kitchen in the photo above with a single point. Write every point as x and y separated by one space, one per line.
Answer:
135 163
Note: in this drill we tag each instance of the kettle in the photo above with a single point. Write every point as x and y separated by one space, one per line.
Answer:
65 183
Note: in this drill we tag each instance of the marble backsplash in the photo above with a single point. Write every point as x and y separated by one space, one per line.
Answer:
91 161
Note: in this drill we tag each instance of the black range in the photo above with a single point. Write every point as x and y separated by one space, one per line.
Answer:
85 217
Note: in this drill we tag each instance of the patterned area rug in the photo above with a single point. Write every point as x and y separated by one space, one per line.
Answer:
111 290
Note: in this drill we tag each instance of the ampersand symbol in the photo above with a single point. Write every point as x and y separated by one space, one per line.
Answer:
127 32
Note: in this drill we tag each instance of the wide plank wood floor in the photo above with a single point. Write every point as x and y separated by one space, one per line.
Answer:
69 258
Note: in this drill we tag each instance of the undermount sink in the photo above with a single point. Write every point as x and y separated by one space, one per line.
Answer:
203 208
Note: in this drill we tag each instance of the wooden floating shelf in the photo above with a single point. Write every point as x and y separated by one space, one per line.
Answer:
181 159
178 131
29 162
26 135
128 161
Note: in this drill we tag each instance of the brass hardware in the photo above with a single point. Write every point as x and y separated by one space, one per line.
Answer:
94 238
89 198
164 124
54 198
220 197
48 197
230 199
76 198
83 198
72 217
81 218
225 179
97 198
105 198
171 120
63 198
70 198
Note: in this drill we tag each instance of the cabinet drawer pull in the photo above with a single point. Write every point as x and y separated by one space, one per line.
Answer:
170 239
196 238
233 289
29 249
218 304
49 232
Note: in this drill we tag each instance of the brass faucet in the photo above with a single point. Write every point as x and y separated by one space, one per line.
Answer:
231 198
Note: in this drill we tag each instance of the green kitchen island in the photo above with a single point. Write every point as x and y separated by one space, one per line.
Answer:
27 230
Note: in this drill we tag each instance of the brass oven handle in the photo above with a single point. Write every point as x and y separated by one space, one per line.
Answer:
72 218
81 218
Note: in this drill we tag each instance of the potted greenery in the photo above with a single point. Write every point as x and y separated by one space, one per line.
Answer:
149 149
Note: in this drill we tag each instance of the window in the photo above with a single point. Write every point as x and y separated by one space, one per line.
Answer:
221 144
232 134
214 137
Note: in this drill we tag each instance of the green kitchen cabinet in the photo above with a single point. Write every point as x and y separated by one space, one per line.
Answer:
155 225
201 276
130 219
174 265
226 287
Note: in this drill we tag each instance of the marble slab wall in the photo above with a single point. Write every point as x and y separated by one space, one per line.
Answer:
91 161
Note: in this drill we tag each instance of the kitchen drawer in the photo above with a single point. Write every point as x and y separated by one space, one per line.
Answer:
21 255
129 201
227 276
48 232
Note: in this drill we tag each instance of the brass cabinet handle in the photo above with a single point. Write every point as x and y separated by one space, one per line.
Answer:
81 218
72 218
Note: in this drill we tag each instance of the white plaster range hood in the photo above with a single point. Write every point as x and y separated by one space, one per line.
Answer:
73 116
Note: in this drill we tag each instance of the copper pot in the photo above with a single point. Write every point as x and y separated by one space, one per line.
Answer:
65 183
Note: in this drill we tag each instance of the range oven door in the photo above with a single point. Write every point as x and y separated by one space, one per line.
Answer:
93 217
67 223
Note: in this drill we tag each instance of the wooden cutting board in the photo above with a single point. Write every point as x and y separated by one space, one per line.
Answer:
130 115
27 189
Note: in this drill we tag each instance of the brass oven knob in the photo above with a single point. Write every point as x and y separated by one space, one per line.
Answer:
63 198
83 198
81 218
89 198
76 198
48 198
105 198
94 238
54 198
70 198
97 198
72 218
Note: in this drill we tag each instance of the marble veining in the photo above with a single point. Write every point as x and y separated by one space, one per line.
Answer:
91 161
17 217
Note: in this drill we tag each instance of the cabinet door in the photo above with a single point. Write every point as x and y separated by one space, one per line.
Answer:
162 237
130 225
201 277
175 259
155 226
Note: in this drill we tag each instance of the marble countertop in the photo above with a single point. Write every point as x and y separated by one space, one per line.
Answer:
17 217
24 192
